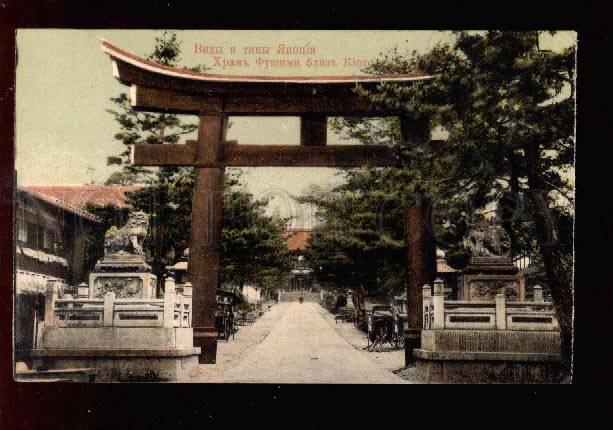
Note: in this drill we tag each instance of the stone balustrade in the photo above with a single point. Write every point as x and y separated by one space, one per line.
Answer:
500 314
173 310
118 326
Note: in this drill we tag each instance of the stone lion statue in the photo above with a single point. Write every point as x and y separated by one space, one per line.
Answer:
128 238
486 240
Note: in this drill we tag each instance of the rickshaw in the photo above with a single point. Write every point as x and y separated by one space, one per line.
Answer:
224 317
384 325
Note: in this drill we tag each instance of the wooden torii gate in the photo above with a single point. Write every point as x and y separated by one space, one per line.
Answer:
214 97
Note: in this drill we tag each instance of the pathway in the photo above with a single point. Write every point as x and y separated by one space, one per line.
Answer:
294 343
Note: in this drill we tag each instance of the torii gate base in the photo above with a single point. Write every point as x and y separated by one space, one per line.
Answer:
213 98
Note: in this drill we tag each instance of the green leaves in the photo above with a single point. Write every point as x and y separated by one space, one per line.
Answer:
167 49
253 249
144 127
113 160
498 96
358 243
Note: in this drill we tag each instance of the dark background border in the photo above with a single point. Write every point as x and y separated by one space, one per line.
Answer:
35 405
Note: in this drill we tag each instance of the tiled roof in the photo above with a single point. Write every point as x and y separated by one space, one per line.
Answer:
79 195
297 239
61 204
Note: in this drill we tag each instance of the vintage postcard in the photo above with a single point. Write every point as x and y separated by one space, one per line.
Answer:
306 207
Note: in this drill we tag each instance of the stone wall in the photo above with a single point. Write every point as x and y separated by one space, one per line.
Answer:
484 371
545 342
501 340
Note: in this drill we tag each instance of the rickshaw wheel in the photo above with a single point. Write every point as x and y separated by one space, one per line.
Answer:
400 341
227 330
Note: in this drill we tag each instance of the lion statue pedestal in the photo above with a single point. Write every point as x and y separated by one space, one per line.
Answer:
122 331
489 271
491 334
485 277
123 269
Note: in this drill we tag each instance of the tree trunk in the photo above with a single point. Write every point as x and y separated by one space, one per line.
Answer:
509 205
157 267
360 297
421 261
158 270
561 292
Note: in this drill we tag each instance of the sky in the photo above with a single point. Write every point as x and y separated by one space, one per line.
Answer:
64 82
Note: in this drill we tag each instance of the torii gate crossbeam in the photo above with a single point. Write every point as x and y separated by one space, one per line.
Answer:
213 98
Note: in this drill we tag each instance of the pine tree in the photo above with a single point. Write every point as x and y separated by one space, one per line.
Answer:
145 127
508 107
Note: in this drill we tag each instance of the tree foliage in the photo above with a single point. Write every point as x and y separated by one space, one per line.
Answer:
253 250
499 97
145 127
508 108
359 243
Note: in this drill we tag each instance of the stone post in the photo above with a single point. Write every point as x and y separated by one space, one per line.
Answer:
426 294
501 312
187 298
538 294
438 302
50 298
187 289
181 301
169 309
169 285
109 305
69 305
82 291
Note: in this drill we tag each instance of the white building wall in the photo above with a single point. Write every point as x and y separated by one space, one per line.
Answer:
251 294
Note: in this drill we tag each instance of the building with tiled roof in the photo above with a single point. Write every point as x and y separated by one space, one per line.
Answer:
52 236
50 245
79 195
297 238
63 205
302 274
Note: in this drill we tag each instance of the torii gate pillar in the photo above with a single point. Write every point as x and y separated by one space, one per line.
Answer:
206 220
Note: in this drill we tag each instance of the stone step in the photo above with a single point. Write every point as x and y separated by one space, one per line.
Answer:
294 296
56 375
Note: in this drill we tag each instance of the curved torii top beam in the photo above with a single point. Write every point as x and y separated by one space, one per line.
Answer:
155 86
120 56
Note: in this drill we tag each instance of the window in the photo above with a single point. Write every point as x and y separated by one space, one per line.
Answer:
32 232
57 243
39 237
48 237
22 230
